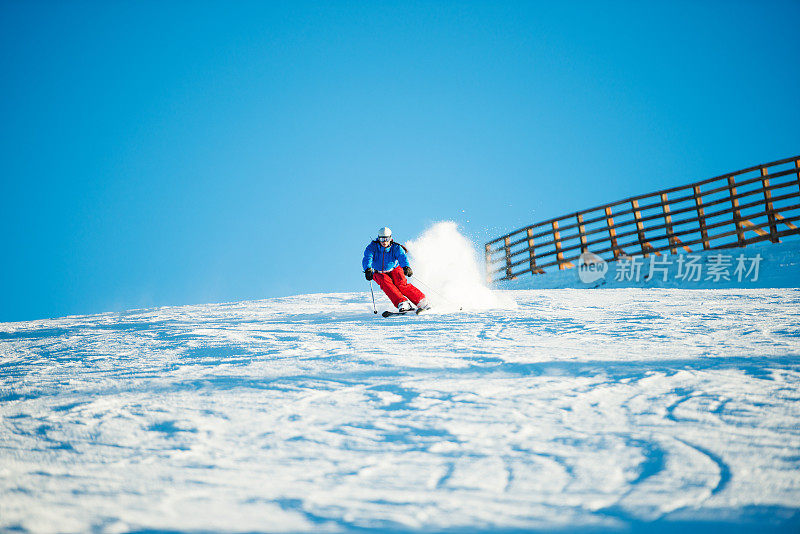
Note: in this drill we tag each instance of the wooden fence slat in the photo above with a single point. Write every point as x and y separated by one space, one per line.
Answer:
784 221
701 216
773 228
582 233
668 223
531 249
488 262
737 216
750 225
508 258
637 216
612 232
557 240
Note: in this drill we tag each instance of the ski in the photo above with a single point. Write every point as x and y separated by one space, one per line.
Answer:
417 311
388 313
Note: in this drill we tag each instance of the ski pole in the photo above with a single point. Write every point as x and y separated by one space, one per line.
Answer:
416 278
374 309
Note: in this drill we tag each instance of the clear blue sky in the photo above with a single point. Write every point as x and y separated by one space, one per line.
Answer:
158 153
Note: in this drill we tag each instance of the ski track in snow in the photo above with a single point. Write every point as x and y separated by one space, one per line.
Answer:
605 408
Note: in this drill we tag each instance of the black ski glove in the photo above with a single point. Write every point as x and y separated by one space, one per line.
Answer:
408 272
368 273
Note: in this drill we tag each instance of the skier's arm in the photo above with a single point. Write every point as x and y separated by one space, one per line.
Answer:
402 258
366 263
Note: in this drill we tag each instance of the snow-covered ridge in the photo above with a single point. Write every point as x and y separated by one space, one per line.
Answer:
608 408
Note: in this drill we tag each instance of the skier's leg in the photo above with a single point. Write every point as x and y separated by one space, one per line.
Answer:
385 282
400 280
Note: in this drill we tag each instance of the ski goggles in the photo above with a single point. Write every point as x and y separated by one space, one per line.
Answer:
384 239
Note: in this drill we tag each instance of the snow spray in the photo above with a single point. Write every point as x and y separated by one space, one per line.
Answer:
447 261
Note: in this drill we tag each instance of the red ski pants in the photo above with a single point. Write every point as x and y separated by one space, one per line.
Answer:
396 287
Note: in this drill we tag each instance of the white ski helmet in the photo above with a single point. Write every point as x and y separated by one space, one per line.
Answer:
385 232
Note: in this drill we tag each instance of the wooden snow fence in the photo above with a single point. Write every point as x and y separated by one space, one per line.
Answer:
761 203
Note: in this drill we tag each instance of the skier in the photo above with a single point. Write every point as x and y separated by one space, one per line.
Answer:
386 262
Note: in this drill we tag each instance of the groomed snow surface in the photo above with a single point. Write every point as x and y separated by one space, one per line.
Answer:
634 409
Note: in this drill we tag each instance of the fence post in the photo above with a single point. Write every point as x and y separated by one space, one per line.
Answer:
612 232
637 216
773 227
737 216
797 166
668 223
701 216
534 269
582 232
557 240
488 263
508 256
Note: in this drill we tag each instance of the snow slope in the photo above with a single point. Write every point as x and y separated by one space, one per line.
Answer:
637 409
617 409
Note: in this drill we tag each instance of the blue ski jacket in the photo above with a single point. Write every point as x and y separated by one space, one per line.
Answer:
384 259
